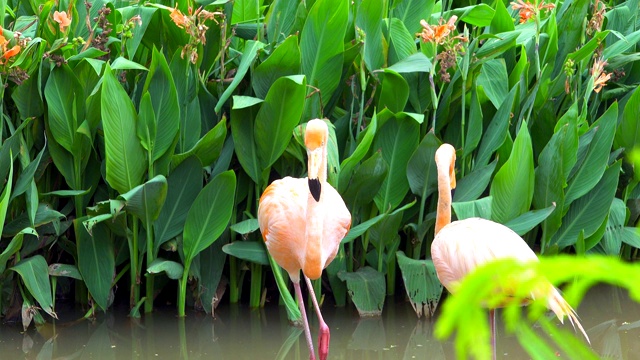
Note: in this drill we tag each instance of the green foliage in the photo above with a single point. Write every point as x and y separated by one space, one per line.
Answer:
145 150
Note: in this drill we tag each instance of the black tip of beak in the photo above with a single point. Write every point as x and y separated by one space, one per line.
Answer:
314 187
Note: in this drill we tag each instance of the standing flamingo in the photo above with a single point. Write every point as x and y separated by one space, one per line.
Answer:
302 222
461 246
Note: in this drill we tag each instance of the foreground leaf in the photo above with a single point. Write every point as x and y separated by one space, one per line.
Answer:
366 289
35 275
422 284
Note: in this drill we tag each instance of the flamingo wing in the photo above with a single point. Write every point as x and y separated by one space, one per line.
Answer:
337 222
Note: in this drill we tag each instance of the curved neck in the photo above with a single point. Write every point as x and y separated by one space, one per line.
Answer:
443 212
322 174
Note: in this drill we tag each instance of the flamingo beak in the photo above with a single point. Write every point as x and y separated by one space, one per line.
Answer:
315 161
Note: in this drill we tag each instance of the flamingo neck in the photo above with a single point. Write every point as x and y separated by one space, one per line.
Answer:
314 230
443 211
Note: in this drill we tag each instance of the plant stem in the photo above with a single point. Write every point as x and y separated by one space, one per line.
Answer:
133 253
182 290
256 285
148 305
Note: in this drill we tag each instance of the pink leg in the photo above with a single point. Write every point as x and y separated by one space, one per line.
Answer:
492 323
324 336
305 323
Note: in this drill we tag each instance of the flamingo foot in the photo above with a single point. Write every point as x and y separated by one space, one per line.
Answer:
323 342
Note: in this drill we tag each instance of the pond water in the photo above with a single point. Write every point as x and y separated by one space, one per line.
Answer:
611 319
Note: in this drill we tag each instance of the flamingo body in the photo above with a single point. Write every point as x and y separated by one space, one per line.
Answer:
283 220
461 246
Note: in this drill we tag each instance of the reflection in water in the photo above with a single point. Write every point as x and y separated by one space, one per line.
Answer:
611 319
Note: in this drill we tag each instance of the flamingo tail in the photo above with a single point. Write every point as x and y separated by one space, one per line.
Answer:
561 307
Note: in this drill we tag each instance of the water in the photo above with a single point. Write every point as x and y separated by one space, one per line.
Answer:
611 319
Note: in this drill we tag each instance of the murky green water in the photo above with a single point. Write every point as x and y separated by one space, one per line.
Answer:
611 319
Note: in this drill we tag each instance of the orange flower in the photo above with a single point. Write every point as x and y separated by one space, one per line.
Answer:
3 41
62 19
180 19
437 33
528 10
11 52
601 77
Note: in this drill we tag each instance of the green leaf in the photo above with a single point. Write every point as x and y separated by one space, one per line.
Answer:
497 130
209 215
208 148
248 56
368 18
35 275
245 11
246 226
479 15
494 80
395 92
65 104
278 116
349 164
252 251
164 97
173 269
361 228
587 212
65 270
5 198
417 62
410 12
527 221
366 181
96 261
146 15
281 19
242 131
474 184
125 161
145 201
477 208
14 246
628 131
569 38
397 140
322 48
591 165
367 290
512 187
401 42
283 61
422 284
474 131
421 169
183 186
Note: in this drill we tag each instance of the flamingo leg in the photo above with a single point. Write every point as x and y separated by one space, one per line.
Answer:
324 334
492 324
305 322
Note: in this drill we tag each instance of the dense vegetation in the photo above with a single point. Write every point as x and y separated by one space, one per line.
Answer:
138 137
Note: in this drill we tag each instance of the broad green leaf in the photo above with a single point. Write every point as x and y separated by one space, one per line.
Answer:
361 228
397 140
417 62
473 185
512 187
35 275
628 131
497 130
5 198
614 228
394 93
366 181
477 208
65 270
474 131
497 45
28 99
65 104
245 11
121 63
410 12
421 283
527 221
279 114
421 169
183 186
368 20
125 161
252 251
96 261
145 201
322 50
589 168
349 164
44 215
173 269
242 131
494 80
209 214
401 42
367 290
164 97
14 246
479 15
146 14
212 264
283 61
146 125
587 212
570 20
281 18
246 226
622 45
208 148
248 56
